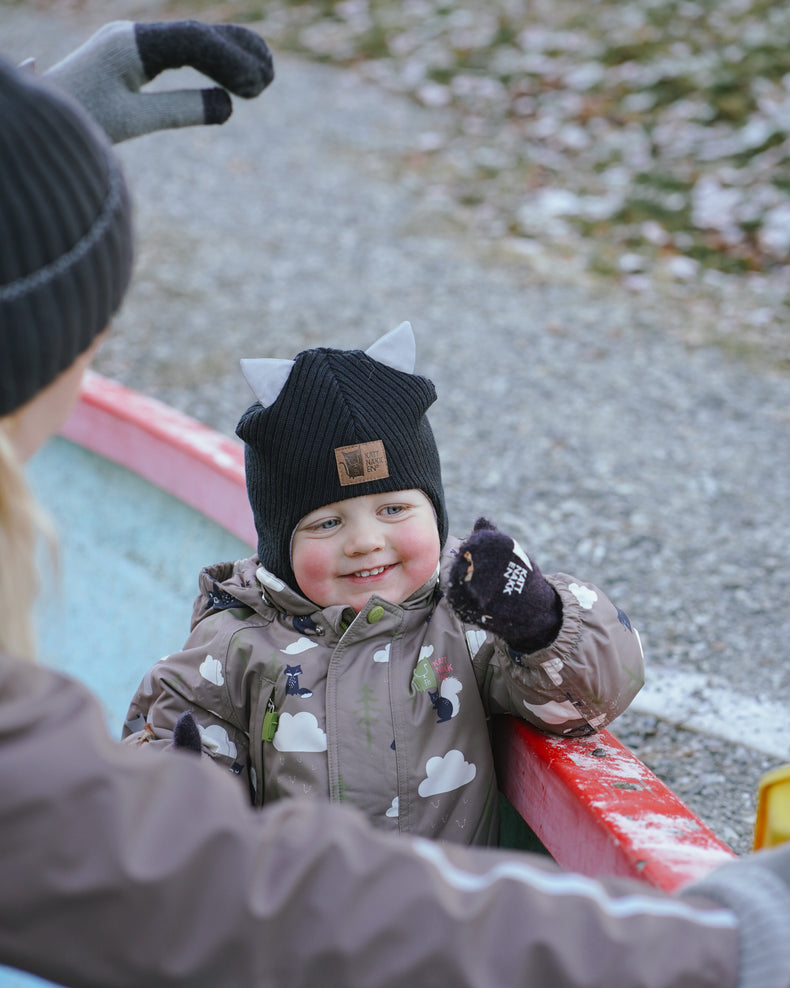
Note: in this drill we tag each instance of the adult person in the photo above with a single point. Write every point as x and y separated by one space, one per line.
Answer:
119 869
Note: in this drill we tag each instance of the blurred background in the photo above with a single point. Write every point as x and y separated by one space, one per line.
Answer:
584 210
642 141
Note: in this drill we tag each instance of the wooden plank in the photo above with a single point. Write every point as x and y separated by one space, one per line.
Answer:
599 810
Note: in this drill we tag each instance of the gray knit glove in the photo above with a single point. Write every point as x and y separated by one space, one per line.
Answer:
757 889
106 74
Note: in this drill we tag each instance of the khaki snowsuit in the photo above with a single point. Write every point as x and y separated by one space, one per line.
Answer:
386 710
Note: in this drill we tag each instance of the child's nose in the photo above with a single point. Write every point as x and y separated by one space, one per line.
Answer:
364 536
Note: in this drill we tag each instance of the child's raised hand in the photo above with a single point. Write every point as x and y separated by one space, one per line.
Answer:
495 585
106 74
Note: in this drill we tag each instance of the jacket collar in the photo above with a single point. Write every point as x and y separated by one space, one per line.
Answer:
246 582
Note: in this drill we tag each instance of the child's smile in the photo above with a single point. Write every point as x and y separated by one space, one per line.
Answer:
387 544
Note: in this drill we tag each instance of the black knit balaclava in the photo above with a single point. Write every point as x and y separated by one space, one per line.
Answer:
65 235
344 424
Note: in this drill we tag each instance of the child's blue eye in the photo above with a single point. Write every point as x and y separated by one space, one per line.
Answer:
322 526
393 509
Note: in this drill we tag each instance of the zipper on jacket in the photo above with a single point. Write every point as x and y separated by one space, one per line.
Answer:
270 719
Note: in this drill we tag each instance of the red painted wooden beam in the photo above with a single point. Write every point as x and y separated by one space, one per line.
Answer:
598 809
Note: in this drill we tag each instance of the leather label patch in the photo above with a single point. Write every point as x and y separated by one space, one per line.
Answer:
361 463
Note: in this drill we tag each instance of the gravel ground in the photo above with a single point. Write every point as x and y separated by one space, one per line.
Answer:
577 414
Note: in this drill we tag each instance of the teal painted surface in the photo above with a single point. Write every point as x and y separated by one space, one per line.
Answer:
130 556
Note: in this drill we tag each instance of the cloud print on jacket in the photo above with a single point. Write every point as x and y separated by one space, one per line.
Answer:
299 732
445 773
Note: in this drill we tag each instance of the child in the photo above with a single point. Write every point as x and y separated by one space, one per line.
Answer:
360 655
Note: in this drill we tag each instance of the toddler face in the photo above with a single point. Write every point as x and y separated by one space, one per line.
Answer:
387 544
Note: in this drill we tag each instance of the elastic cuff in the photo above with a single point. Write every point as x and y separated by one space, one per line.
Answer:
761 901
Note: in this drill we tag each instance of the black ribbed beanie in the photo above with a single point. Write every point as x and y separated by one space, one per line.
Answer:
65 235
343 425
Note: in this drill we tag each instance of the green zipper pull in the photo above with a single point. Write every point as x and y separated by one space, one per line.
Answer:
270 719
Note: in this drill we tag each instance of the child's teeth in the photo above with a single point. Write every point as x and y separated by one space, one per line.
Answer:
371 572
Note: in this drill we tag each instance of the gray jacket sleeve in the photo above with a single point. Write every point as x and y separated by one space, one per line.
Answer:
122 868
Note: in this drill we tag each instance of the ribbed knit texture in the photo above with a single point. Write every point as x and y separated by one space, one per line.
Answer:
65 235
332 399
757 890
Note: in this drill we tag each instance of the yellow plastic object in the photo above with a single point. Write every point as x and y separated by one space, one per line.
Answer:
773 809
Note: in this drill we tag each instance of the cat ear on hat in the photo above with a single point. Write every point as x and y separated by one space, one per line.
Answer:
266 376
396 349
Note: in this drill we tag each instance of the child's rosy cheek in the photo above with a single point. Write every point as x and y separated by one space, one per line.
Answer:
310 563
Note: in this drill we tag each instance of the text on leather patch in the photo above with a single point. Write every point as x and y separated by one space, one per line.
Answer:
361 463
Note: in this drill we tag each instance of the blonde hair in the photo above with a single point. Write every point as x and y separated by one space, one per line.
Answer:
22 522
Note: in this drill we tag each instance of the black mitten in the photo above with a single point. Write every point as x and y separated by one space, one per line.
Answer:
495 585
186 734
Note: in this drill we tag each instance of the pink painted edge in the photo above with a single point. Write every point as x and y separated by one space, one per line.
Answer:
598 809
194 463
